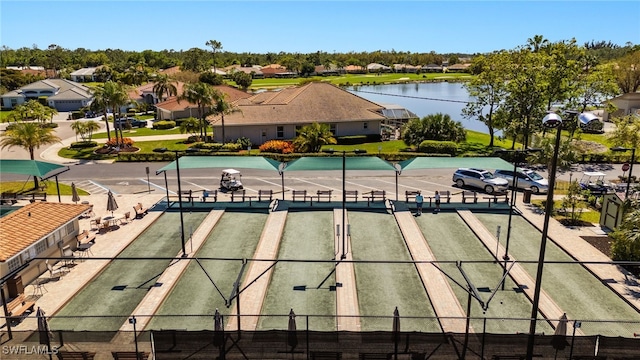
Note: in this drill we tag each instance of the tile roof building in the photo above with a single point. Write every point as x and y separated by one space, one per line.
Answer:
61 94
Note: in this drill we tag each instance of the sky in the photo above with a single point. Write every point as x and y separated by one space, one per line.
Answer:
309 26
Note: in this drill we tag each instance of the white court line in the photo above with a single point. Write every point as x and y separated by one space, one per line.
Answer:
196 185
406 186
432 183
102 187
369 187
157 186
272 183
316 184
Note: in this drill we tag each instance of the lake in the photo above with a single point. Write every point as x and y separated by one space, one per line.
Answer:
424 99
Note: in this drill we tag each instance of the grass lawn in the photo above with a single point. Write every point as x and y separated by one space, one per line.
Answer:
139 132
588 214
4 114
26 187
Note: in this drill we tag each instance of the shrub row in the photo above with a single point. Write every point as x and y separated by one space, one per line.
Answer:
358 139
164 124
83 144
44 125
438 147
217 146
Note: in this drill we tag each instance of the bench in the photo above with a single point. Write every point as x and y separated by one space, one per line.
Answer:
497 196
39 195
324 194
351 195
129 355
411 196
86 237
18 307
76 355
299 194
445 195
209 194
328 355
375 195
238 194
140 211
187 194
9 198
265 195
469 196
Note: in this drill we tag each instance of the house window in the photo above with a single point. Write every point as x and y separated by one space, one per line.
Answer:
51 240
264 133
14 102
69 228
41 246
332 128
14 263
280 132
365 125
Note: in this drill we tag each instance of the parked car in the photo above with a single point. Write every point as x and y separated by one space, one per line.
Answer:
132 121
481 179
594 181
527 179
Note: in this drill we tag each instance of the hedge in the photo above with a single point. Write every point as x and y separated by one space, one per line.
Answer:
358 139
438 147
83 144
163 125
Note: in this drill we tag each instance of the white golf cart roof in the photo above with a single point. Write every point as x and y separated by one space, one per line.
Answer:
594 173
231 171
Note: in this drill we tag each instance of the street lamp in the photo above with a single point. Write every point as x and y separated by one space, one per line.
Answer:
551 121
177 152
512 203
633 158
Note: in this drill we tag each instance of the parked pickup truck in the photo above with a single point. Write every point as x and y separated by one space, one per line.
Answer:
132 121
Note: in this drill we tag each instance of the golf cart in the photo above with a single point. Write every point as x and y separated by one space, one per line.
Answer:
231 180
594 182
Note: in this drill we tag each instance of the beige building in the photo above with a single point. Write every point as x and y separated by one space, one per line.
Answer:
39 229
273 115
626 104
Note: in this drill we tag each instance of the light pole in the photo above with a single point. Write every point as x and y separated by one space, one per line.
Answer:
551 121
633 158
344 205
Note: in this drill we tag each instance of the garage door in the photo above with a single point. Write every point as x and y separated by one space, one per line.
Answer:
68 105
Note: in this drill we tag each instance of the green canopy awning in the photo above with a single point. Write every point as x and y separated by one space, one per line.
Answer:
29 167
240 162
493 163
335 163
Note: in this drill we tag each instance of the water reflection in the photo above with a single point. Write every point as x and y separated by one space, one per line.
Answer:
424 99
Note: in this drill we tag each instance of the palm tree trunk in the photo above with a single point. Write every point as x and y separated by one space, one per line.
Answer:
223 137
106 122
33 157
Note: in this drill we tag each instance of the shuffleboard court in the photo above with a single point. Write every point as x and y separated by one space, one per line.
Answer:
381 287
451 240
578 292
235 236
108 300
307 235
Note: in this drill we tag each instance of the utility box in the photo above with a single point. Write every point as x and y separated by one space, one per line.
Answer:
15 287
526 196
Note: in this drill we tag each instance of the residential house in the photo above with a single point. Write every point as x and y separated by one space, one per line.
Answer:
279 114
173 109
255 70
40 229
458 68
406 68
323 71
355 69
270 71
145 94
60 94
170 71
378 68
626 104
432 68
84 74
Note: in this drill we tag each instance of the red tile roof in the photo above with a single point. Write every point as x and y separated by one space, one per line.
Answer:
25 226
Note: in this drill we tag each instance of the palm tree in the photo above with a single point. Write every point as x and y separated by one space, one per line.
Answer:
222 107
113 96
200 94
164 85
29 136
312 137
215 45
85 129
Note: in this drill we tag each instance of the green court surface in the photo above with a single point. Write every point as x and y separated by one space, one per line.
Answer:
382 287
108 300
451 240
307 235
236 236
578 292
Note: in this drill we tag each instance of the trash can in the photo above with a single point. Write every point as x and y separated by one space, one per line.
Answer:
526 196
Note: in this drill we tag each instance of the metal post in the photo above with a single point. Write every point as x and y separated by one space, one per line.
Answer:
132 321
633 156
543 244
59 200
514 189
344 200
576 324
166 187
184 251
6 312
466 331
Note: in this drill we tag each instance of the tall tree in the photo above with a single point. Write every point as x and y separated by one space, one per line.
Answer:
215 45
110 95
222 107
627 72
29 136
201 95
488 90
311 137
439 127
164 85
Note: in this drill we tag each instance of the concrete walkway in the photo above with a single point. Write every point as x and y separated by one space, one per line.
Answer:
257 279
445 303
549 308
347 305
152 301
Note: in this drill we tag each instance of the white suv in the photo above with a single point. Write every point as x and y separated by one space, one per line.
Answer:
481 179
527 179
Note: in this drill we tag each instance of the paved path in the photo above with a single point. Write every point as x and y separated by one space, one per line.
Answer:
549 308
252 298
445 304
617 278
152 301
347 307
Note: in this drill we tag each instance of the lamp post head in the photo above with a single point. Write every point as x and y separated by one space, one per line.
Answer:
620 148
552 121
